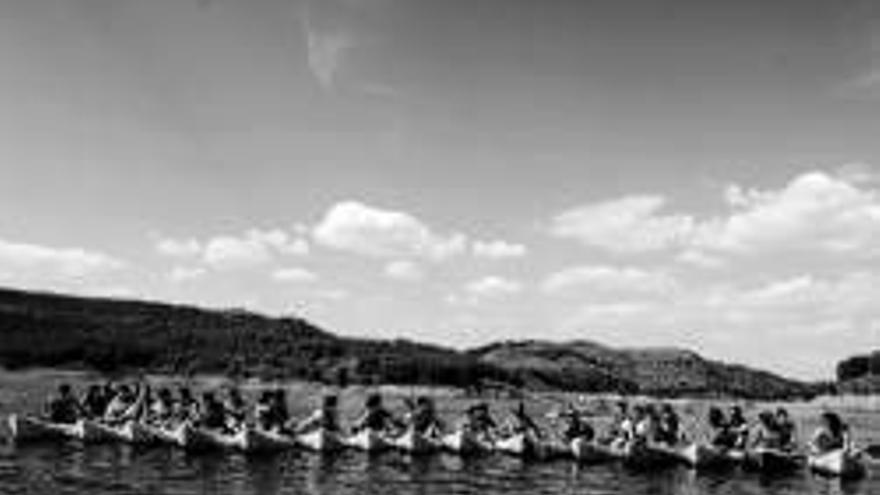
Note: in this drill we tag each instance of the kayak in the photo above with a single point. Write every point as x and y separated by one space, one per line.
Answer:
192 438
414 443
30 429
588 452
839 463
368 441
258 440
463 442
89 431
702 456
320 440
517 445
772 461
649 457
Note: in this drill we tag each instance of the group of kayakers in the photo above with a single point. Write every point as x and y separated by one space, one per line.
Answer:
228 411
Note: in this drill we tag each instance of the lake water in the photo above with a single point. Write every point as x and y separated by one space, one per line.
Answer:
120 469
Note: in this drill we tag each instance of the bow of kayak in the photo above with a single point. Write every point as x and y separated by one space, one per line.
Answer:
413 442
321 440
30 429
839 463
368 441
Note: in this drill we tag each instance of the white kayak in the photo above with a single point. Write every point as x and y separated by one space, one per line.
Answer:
254 440
702 456
517 445
414 443
772 461
840 463
368 441
29 429
464 442
89 431
193 438
320 440
588 452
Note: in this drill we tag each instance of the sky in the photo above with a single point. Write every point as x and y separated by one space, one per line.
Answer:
689 173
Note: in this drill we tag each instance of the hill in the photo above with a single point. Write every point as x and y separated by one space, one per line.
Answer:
659 371
859 374
121 336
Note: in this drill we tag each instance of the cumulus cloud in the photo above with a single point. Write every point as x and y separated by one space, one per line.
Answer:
253 247
492 287
631 224
814 211
295 275
369 231
22 260
404 270
608 279
498 249
186 273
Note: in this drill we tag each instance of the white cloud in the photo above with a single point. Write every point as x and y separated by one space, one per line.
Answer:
178 247
252 248
404 270
498 249
20 260
361 229
492 287
608 279
816 211
186 273
294 275
631 224
695 257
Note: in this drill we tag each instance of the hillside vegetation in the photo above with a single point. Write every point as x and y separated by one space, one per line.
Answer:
115 336
860 374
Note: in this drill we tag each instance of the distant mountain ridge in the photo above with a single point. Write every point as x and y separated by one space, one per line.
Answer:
122 336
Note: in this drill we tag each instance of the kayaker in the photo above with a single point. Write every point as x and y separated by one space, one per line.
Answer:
325 417
645 419
93 402
423 418
575 426
833 434
479 421
162 408
721 434
767 433
375 417
64 408
280 412
120 407
739 426
235 409
212 414
785 427
187 407
520 422
263 411
622 427
668 427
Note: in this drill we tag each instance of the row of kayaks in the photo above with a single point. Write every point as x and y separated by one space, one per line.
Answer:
842 463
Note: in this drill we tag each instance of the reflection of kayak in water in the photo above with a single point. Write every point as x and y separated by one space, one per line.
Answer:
841 463
772 461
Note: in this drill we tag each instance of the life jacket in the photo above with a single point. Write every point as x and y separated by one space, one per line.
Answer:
63 410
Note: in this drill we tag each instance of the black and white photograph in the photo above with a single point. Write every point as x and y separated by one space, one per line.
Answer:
431 247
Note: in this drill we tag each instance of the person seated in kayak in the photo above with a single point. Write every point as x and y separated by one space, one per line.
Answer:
478 421
121 406
521 423
236 409
375 417
721 436
668 426
423 418
325 417
575 427
645 419
832 434
64 408
739 426
93 402
786 429
187 408
162 408
212 413
271 413
622 427
767 434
